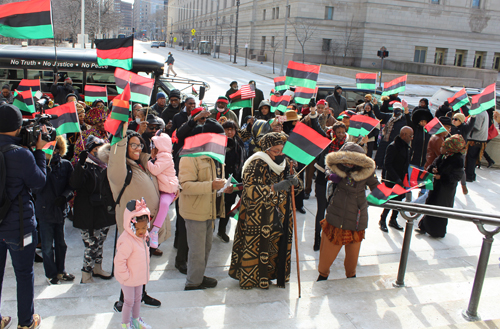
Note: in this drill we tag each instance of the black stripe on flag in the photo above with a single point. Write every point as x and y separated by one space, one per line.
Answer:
95 93
396 86
110 44
301 74
208 147
304 144
66 117
134 88
366 81
31 19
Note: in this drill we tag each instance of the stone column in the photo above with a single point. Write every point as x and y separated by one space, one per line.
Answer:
450 57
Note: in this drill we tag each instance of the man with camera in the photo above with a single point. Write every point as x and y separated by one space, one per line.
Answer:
21 170
61 91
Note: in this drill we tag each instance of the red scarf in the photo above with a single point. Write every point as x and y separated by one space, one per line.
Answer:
220 113
336 144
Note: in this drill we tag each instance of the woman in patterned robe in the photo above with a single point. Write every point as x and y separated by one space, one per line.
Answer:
263 238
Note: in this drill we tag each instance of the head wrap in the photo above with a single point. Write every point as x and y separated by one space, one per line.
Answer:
272 139
95 116
454 144
222 99
195 111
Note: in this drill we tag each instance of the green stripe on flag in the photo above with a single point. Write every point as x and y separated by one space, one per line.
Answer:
27 32
356 132
217 157
300 100
240 104
68 127
394 91
296 153
120 116
91 99
125 64
369 86
458 105
298 82
483 107
136 97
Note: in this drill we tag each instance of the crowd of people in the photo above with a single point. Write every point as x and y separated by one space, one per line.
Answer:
98 182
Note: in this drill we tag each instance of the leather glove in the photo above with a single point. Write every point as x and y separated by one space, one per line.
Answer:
83 157
60 201
284 185
312 102
294 180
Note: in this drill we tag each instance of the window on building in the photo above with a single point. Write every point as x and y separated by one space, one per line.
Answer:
277 12
286 42
264 15
223 19
231 19
476 3
439 56
288 11
496 61
420 53
274 13
225 4
435 2
329 13
272 41
263 44
233 3
479 59
460 57
327 43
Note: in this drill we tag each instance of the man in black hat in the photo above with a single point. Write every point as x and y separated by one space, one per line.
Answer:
24 170
233 89
154 125
6 95
174 100
337 102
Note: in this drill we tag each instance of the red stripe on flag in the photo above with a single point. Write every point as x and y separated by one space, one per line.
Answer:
134 78
29 83
119 53
488 90
461 92
395 81
312 135
95 89
25 7
235 94
205 138
280 79
67 108
125 95
303 67
366 76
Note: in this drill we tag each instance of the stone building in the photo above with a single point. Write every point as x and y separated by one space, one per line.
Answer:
443 32
150 19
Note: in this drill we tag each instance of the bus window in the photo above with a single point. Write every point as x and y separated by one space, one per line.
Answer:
100 77
11 77
46 78
76 77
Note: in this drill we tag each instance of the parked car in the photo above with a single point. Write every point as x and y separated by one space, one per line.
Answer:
163 44
155 44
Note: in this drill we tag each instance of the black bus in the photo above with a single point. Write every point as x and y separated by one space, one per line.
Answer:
34 62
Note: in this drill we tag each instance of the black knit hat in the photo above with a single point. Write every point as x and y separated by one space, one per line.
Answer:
175 93
12 118
212 126
445 121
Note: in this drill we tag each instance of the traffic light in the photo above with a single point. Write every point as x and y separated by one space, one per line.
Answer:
382 53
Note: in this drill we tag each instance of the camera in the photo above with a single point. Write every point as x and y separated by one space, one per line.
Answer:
32 128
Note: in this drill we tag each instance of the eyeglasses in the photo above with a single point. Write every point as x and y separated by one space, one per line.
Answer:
135 146
154 127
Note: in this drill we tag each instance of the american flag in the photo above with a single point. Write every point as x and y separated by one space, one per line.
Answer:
247 91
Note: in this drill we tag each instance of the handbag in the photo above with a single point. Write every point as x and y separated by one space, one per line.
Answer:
492 132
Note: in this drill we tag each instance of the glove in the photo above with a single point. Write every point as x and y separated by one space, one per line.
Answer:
312 102
284 185
60 201
83 157
294 180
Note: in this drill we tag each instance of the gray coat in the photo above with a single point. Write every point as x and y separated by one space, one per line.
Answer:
348 209
337 108
480 131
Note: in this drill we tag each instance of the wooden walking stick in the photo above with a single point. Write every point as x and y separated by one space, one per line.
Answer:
295 232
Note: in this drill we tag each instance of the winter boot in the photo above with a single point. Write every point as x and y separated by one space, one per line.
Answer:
394 222
87 277
383 225
317 242
322 278
100 273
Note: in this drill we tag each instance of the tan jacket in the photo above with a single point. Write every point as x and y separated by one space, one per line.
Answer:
143 184
197 199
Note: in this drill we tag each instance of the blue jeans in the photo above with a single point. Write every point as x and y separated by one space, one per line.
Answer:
22 261
52 236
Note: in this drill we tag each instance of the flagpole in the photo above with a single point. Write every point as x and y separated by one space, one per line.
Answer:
53 34
295 233
252 106
375 91
406 82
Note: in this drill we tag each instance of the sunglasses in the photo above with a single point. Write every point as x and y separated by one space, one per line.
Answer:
454 119
154 127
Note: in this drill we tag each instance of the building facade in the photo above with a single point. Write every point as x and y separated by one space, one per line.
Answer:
443 32
150 19
127 18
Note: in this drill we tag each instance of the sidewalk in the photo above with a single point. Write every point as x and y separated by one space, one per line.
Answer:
439 281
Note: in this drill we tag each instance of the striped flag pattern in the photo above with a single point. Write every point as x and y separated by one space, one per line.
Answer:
366 81
303 95
67 120
140 87
209 144
26 20
304 144
279 84
302 75
395 86
115 52
93 93
459 99
434 127
280 103
24 101
27 84
483 101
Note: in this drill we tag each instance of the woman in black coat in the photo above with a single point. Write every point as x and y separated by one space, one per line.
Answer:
417 122
90 213
448 169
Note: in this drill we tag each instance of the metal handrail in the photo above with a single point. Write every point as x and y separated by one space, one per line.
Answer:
478 218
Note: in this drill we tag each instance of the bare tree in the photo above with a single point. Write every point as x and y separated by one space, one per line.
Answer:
303 30
351 40
274 48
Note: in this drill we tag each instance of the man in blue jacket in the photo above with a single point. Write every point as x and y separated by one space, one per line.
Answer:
25 170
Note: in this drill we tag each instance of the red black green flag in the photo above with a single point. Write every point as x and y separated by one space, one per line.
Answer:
242 98
483 101
418 177
361 125
366 81
303 95
93 93
24 101
395 86
67 120
115 52
302 75
381 194
140 87
26 20
49 147
27 84
434 127
459 99
304 144
209 144
280 103
121 105
115 128
279 84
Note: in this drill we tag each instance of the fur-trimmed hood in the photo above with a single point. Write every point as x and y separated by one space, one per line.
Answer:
350 154
103 152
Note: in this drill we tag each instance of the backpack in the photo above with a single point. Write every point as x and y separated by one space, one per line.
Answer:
4 199
106 193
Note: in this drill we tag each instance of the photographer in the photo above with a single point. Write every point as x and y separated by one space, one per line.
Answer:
24 171
60 92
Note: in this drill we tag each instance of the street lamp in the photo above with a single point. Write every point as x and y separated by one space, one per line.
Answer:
236 30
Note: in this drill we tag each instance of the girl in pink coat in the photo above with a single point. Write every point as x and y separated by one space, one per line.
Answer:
162 166
132 261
